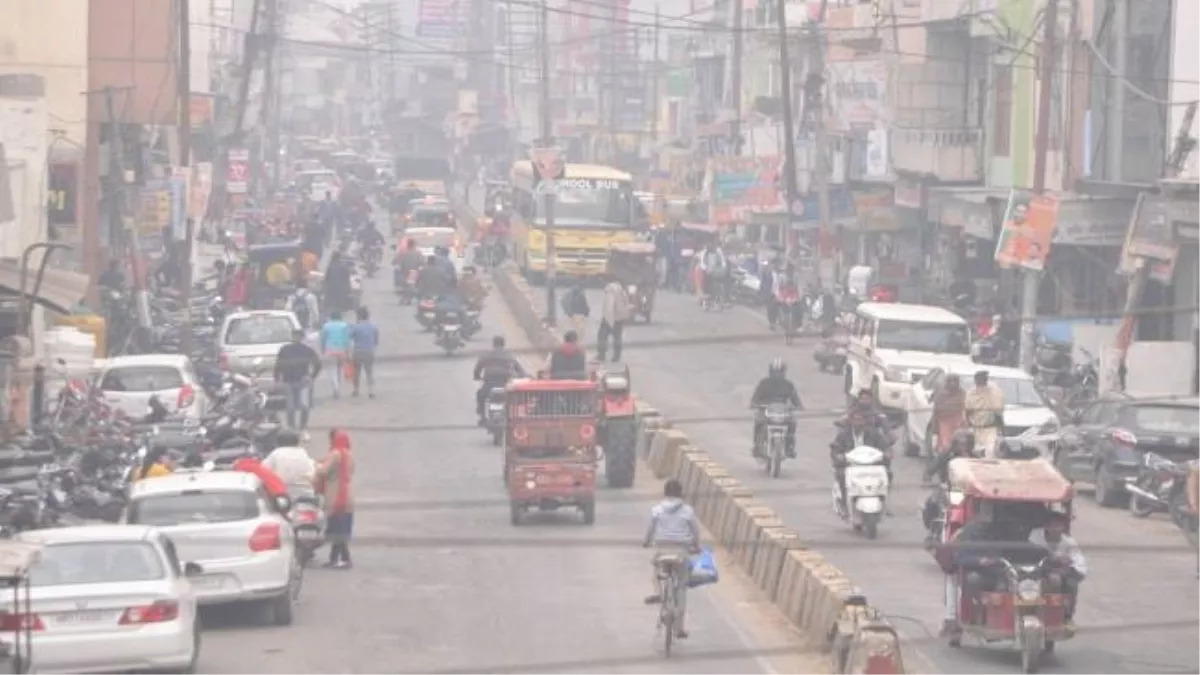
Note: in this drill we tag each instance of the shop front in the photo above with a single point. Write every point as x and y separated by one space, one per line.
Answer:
888 239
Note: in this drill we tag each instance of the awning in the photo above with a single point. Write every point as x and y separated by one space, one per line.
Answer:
60 290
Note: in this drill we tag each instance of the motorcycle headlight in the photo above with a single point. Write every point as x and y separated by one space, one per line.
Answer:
1029 589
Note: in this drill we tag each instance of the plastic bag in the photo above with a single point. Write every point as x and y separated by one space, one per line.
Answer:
703 568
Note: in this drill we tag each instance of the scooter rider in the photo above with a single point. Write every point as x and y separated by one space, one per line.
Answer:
775 388
494 369
854 431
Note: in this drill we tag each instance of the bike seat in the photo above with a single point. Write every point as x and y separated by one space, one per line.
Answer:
667 560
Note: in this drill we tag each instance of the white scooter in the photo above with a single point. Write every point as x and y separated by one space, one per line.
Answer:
866 490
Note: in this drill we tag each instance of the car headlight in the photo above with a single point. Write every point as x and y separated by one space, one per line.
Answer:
1049 426
895 374
1029 589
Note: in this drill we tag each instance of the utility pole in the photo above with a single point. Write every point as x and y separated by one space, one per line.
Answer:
237 134
814 105
611 88
735 132
269 113
547 141
656 74
1031 279
391 58
1115 120
789 118
511 59
183 249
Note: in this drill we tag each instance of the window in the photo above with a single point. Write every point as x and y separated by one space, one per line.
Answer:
194 508
172 556
1162 419
97 562
259 330
1002 121
1021 393
913 336
142 379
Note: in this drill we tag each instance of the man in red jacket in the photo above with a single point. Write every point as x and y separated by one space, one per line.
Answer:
273 484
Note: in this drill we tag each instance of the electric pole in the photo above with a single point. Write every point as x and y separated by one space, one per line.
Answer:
547 142
611 88
236 135
183 249
814 106
655 74
735 131
267 109
789 123
1031 279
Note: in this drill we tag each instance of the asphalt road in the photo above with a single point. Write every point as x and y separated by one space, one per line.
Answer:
443 583
1138 607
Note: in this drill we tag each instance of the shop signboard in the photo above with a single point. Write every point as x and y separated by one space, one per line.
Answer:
739 184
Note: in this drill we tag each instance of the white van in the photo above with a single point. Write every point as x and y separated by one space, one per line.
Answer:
893 345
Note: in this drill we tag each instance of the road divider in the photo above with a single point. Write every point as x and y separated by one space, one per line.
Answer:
810 592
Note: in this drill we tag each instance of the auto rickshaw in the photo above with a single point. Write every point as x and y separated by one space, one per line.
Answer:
17 558
690 240
1021 608
271 289
633 265
550 452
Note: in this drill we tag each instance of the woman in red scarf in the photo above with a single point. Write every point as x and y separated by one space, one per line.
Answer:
333 481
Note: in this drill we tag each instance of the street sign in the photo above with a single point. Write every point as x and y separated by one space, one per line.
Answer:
237 178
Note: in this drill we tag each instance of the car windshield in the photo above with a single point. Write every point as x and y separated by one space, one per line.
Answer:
1166 419
141 379
259 330
97 562
194 507
1019 392
431 238
914 336
609 205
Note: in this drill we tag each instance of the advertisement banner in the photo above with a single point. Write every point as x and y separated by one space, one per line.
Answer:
1028 230
180 180
199 191
858 93
237 179
440 19
738 184
62 193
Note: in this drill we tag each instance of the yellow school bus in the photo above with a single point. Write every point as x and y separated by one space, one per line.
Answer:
594 208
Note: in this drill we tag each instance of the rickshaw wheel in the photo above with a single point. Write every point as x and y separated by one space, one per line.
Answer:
514 514
956 641
1049 647
588 509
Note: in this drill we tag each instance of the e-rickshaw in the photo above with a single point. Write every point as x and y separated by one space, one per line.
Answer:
271 289
633 264
1022 607
550 451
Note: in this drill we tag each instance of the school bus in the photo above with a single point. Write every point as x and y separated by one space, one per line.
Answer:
595 207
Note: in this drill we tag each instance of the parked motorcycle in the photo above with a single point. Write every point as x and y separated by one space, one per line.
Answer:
1159 487
866 491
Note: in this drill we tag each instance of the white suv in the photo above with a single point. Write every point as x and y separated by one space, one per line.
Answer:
892 345
225 522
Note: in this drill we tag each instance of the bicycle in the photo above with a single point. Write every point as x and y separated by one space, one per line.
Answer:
670 580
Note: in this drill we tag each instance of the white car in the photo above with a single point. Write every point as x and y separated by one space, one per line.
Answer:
225 522
249 342
316 182
1027 413
129 382
108 598
428 239
893 344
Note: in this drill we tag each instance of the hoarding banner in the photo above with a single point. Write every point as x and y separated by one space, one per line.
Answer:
440 19
200 190
237 179
741 183
62 193
180 183
1028 230
1150 237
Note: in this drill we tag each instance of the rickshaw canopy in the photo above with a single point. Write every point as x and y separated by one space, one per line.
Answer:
274 252
1012 480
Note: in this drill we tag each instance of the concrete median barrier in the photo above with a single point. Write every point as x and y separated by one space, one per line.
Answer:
806 588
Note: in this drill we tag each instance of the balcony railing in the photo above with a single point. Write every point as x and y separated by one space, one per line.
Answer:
949 154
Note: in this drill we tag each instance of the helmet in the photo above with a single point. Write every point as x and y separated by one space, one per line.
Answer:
777 368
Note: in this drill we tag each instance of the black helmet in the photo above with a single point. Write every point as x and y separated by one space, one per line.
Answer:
777 368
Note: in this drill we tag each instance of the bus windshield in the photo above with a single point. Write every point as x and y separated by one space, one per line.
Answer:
578 199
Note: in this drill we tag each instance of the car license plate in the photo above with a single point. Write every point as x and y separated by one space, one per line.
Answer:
85 616
449 329
208 583
308 534
495 407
